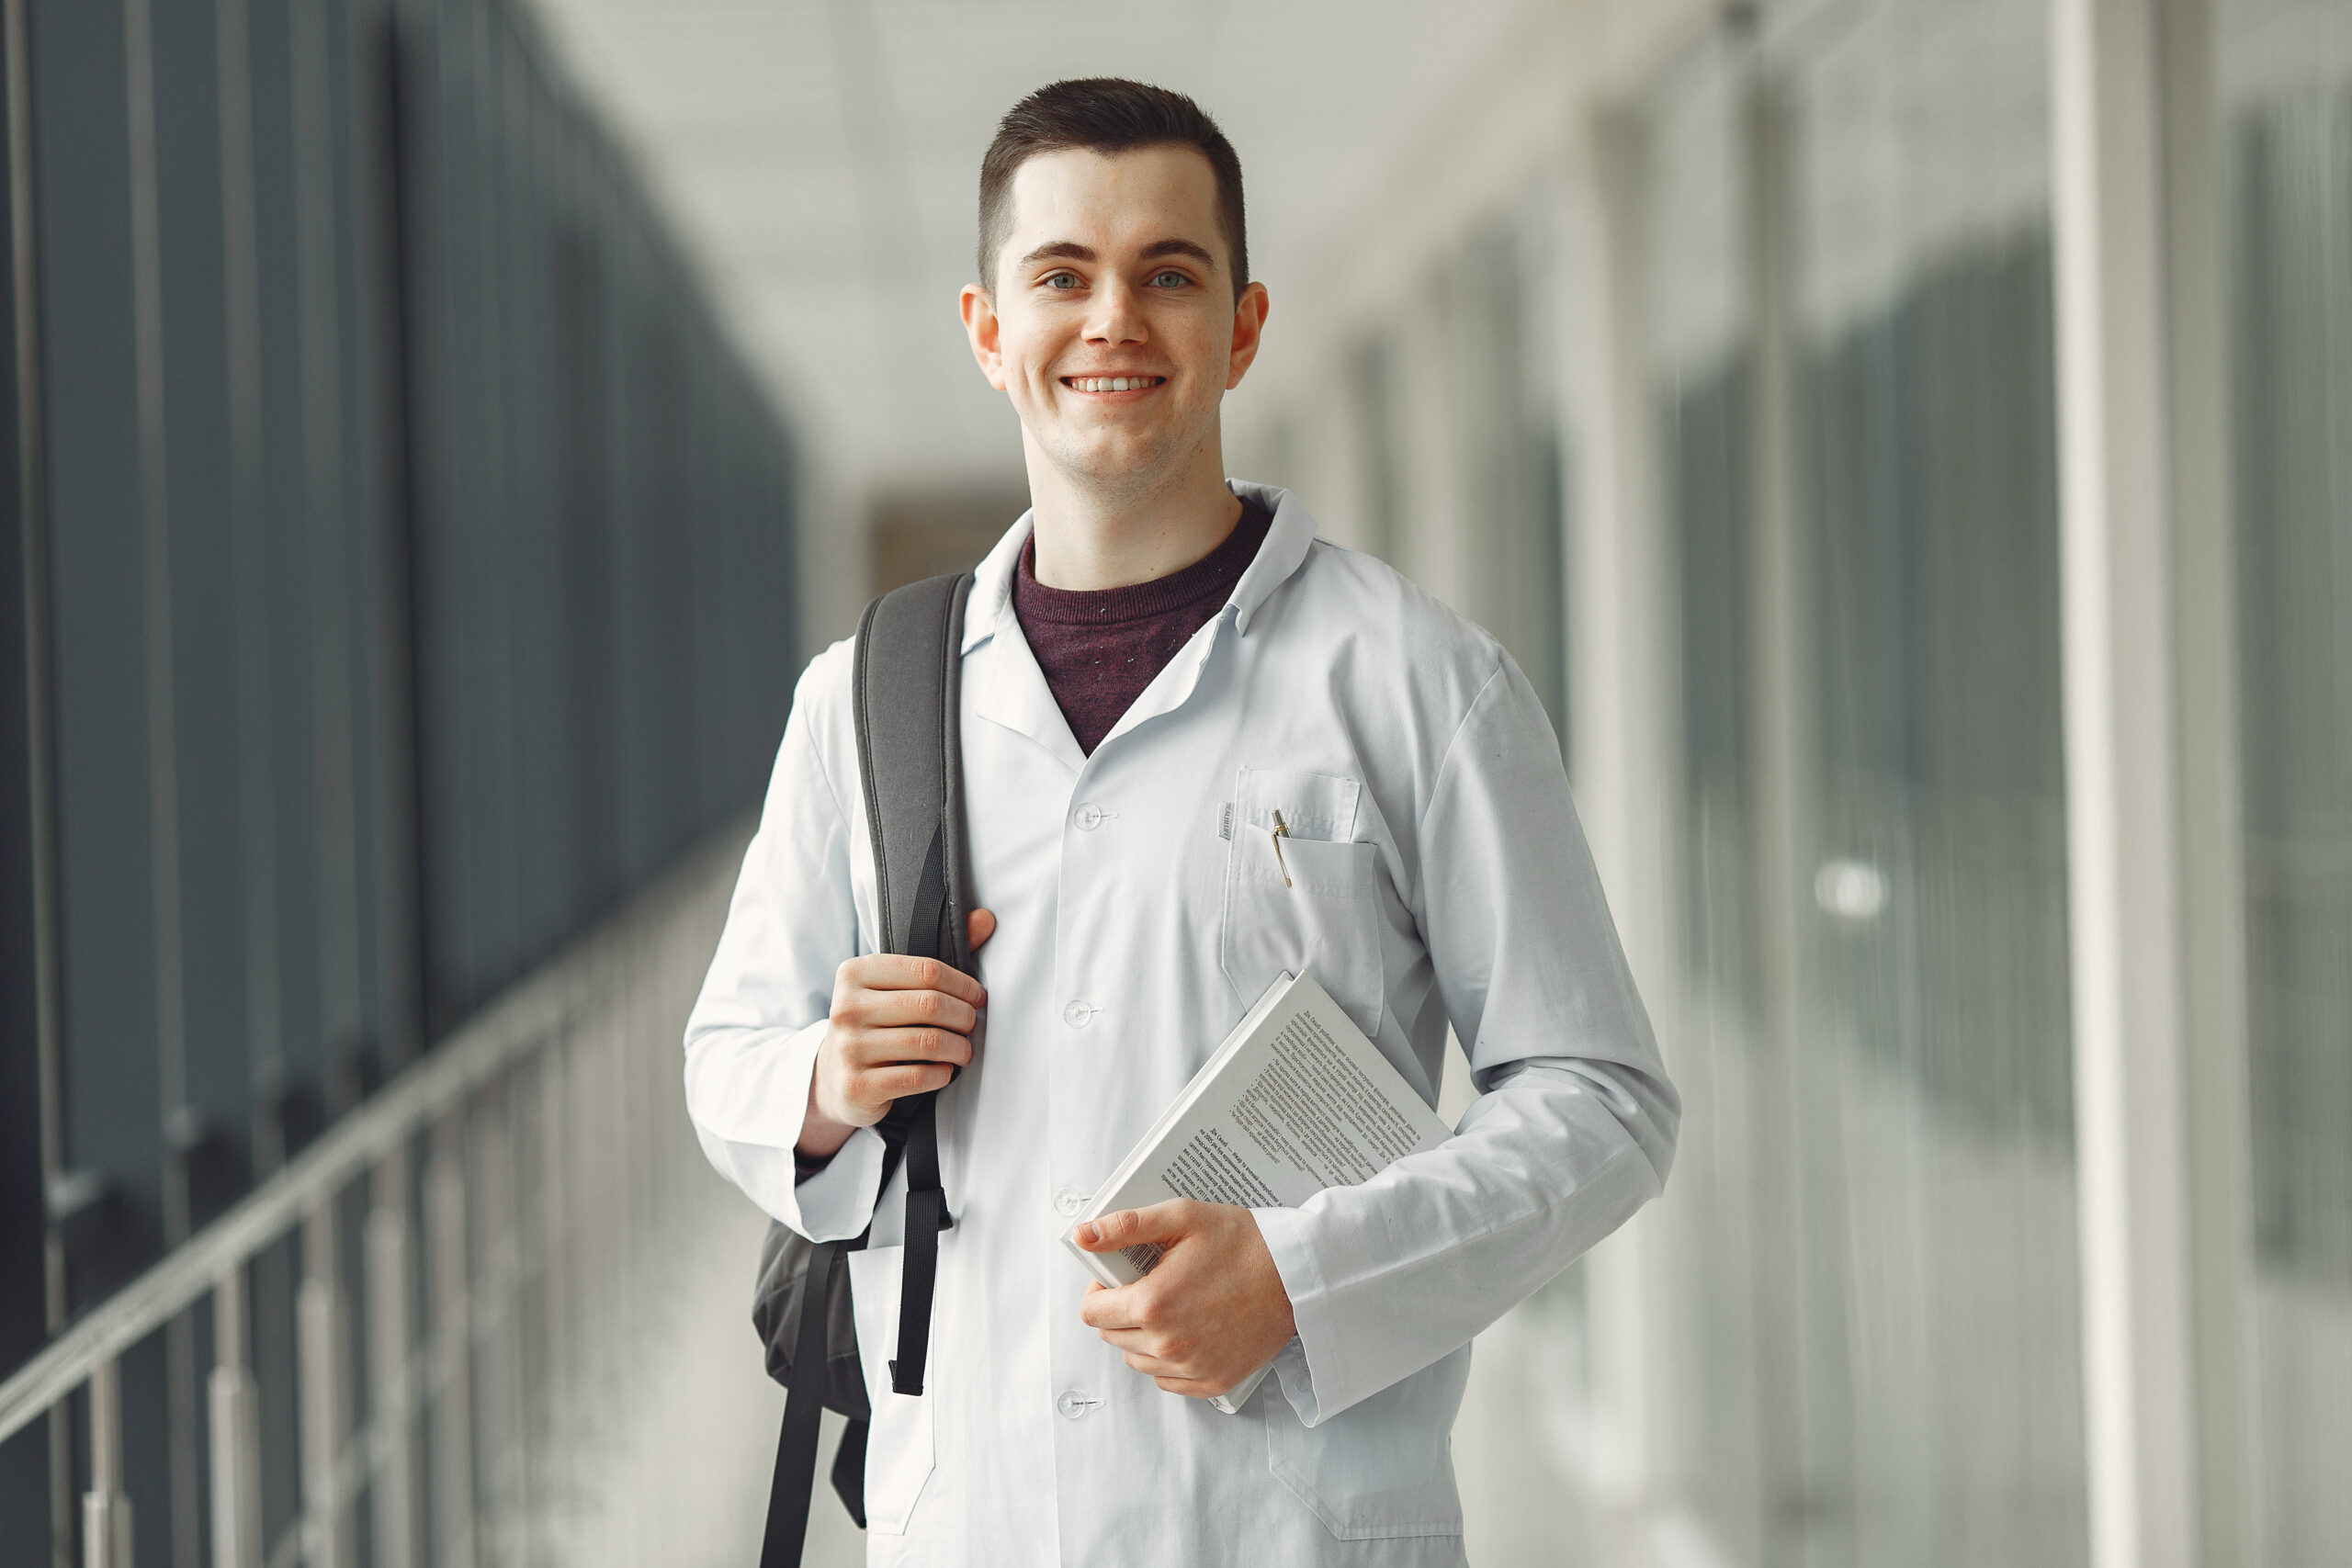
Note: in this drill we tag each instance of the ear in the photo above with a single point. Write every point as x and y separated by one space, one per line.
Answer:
981 326
1249 327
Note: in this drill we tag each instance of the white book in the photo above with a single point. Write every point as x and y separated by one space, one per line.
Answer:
1296 1100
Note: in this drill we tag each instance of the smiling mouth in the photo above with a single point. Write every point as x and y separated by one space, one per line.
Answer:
1099 384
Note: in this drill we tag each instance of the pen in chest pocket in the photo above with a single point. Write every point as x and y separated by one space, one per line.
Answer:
1281 832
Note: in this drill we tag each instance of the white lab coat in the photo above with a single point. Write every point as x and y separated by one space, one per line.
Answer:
1439 875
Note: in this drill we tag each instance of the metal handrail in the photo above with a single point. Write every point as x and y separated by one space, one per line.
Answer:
525 1019
515 1024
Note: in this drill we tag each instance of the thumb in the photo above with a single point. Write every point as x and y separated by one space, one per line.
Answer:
1132 1228
979 926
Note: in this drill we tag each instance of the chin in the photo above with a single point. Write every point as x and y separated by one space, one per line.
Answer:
1109 457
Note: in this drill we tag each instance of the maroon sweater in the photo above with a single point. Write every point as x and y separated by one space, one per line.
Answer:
1100 649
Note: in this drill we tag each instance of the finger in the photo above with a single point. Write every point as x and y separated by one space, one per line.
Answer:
1154 1367
979 926
1134 1342
889 1047
1109 1310
901 971
911 1010
880 1086
1132 1228
1193 1388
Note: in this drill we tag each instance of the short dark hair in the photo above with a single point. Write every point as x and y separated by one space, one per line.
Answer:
1105 114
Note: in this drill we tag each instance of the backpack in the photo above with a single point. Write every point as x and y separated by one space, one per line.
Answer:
906 687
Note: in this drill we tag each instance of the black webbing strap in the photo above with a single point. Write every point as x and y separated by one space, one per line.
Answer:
926 1217
849 1472
926 1199
804 1406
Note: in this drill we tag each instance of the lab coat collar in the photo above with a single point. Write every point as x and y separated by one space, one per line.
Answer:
1285 547
1287 540
1010 689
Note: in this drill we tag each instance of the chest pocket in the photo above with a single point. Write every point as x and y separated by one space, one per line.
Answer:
1310 904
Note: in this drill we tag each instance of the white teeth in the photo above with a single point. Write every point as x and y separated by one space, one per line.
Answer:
1121 384
1110 383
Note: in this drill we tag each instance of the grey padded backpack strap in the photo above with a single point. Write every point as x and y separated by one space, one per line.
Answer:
906 691
909 749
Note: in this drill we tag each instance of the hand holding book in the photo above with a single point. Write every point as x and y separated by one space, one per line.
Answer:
1209 1315
1294 1101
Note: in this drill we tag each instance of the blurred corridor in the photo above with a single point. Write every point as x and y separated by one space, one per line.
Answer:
1907 444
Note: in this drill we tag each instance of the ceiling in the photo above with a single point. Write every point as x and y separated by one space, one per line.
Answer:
820 158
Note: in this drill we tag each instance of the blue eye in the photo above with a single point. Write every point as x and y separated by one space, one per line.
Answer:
1171 280
1062 280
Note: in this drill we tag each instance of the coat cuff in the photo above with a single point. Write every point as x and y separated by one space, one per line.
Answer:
757 1151
838 1201
1314 1353
835 1203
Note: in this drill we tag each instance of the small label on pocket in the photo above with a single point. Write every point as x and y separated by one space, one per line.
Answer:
1224 828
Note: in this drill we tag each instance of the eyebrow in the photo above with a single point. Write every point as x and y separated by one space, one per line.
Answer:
1070 250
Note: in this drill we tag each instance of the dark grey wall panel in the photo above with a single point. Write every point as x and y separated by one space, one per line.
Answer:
209 1127
24 1460
418 584
97 587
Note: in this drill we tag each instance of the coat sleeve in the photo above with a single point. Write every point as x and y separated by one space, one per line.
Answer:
753 1037
1575 1125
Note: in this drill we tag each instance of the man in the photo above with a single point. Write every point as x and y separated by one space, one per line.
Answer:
1155 661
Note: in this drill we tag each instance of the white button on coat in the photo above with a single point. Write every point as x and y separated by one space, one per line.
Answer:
1432 873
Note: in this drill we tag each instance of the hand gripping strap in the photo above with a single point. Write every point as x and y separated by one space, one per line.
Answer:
909 669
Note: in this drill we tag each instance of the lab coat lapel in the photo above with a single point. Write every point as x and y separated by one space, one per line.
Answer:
1173 686
1010 690
1000 669
1284 549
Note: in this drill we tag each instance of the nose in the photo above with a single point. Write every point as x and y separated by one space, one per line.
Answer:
1117 316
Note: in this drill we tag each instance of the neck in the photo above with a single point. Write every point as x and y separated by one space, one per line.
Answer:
1092 534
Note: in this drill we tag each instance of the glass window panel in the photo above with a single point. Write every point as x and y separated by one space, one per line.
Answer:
1694 198
1872 1219
1508 406
2287 86
1937 1195
1374 410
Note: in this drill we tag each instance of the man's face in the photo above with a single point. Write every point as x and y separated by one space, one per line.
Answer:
1116 269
